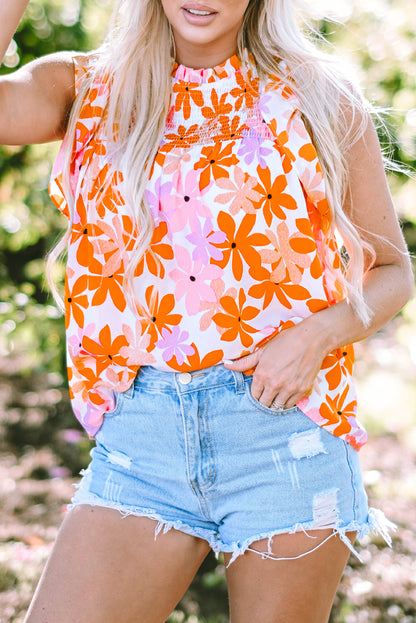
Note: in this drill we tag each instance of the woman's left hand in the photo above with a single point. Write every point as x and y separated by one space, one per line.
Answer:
285 367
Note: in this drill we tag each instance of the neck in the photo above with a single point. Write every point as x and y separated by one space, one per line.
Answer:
203 56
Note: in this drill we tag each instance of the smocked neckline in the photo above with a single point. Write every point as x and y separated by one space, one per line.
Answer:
227 69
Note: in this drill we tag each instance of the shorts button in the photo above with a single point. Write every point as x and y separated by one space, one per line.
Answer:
185 378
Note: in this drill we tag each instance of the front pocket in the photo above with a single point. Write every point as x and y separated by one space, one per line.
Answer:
117 406
268 410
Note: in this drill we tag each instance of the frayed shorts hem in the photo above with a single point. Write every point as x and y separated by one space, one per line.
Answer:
376 525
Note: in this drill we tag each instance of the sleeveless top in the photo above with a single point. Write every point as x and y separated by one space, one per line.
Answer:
237 196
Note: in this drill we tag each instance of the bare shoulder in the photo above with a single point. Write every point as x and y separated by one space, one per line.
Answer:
37 98
56 71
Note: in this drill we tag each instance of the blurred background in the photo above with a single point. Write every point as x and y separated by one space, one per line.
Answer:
42 448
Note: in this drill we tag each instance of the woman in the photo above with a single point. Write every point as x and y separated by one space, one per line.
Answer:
207 310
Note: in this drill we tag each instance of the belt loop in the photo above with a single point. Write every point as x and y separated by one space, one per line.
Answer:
239 381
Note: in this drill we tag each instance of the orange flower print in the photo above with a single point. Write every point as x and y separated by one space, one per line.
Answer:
334 374
282 143
157 252
95 147
335 411
158 314
230 128
57 194
183 139
96 193
211 308
75 299
105 285
185 93
340 365
240 193
107 350
239 245
245 92
219 108
129 233
215 161
315 305
81 233
84 379
273 199
194 361
267 288
235 319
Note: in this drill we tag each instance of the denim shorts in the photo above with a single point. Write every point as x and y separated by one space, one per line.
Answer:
196 452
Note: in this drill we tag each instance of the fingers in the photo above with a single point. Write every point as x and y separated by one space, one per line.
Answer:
269 394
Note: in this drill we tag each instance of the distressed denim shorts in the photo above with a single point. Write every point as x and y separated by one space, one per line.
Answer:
196 452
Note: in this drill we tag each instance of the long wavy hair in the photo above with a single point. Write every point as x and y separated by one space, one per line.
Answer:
137 57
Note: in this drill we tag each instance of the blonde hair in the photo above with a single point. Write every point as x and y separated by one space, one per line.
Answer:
137 57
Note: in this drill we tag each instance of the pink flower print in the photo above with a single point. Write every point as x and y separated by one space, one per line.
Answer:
75 341
186 204
312 413
214 307
153 199
296 124
112 247
121 380
172 344
283 256
358 439
191 279
204 241
313 183
251 148
240 192
136 352
264 102
175 160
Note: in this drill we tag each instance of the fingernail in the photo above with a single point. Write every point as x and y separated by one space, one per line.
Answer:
227 361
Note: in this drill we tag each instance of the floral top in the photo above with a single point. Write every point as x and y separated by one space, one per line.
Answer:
238 200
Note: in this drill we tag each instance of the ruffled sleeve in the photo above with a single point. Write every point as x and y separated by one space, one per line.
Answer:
86 125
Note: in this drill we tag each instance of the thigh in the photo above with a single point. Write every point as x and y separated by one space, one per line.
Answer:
300 590
104 567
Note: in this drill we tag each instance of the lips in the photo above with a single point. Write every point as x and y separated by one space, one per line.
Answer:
194 6
198 14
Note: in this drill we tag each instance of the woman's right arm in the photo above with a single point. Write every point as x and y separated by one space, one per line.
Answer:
35 100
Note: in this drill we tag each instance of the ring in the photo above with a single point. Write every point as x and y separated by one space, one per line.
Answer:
277 405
